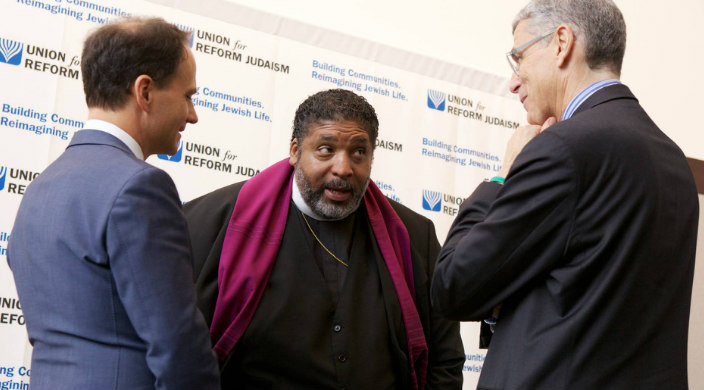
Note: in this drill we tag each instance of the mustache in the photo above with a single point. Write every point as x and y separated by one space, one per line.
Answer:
339 184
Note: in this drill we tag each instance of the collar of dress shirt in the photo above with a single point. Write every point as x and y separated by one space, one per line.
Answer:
582 96
97 124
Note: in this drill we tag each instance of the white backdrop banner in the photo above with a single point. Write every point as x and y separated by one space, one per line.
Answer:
443 128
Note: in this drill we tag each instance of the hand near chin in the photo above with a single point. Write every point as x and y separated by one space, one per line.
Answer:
519 139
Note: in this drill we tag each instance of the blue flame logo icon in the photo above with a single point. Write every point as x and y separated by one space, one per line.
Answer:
431 200
3 173
10 52
436 100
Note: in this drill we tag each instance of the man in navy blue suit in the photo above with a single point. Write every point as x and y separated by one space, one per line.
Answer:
100 251
587 238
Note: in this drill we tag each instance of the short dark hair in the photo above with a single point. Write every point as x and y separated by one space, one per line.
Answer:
335 105
117 53
598 22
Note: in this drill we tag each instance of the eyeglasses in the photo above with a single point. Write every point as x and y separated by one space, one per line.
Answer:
512 55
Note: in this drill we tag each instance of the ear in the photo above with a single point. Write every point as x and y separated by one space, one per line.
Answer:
143 91
565 44
293 153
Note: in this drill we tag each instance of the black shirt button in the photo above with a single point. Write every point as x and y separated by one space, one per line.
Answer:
337 328
342 358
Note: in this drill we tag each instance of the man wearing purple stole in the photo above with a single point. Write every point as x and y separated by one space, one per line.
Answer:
311 278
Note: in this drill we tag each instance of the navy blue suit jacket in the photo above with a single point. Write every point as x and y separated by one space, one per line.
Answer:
102 262
590 246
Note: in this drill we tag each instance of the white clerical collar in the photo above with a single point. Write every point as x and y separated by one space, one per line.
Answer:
303 206
97 124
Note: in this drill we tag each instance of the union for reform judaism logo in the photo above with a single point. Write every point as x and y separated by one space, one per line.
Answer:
10 51
431 200
436 100
176 157
3 173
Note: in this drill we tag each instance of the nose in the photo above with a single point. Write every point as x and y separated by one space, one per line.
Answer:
192 115
514 84
341 165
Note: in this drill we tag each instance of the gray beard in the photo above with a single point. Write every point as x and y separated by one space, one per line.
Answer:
314 199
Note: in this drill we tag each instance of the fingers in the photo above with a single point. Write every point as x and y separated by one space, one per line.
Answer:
548 122
519 139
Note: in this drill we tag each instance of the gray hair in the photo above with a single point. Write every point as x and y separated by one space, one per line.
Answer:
598 22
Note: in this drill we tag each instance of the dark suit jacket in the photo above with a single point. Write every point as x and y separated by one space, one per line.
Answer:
209 215
590 247
101 260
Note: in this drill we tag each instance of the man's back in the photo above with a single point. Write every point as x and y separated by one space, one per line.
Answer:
612 310
589 246
88 278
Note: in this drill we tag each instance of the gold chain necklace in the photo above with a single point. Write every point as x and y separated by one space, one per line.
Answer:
320 242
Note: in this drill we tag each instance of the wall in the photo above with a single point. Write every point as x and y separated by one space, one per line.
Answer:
661 65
